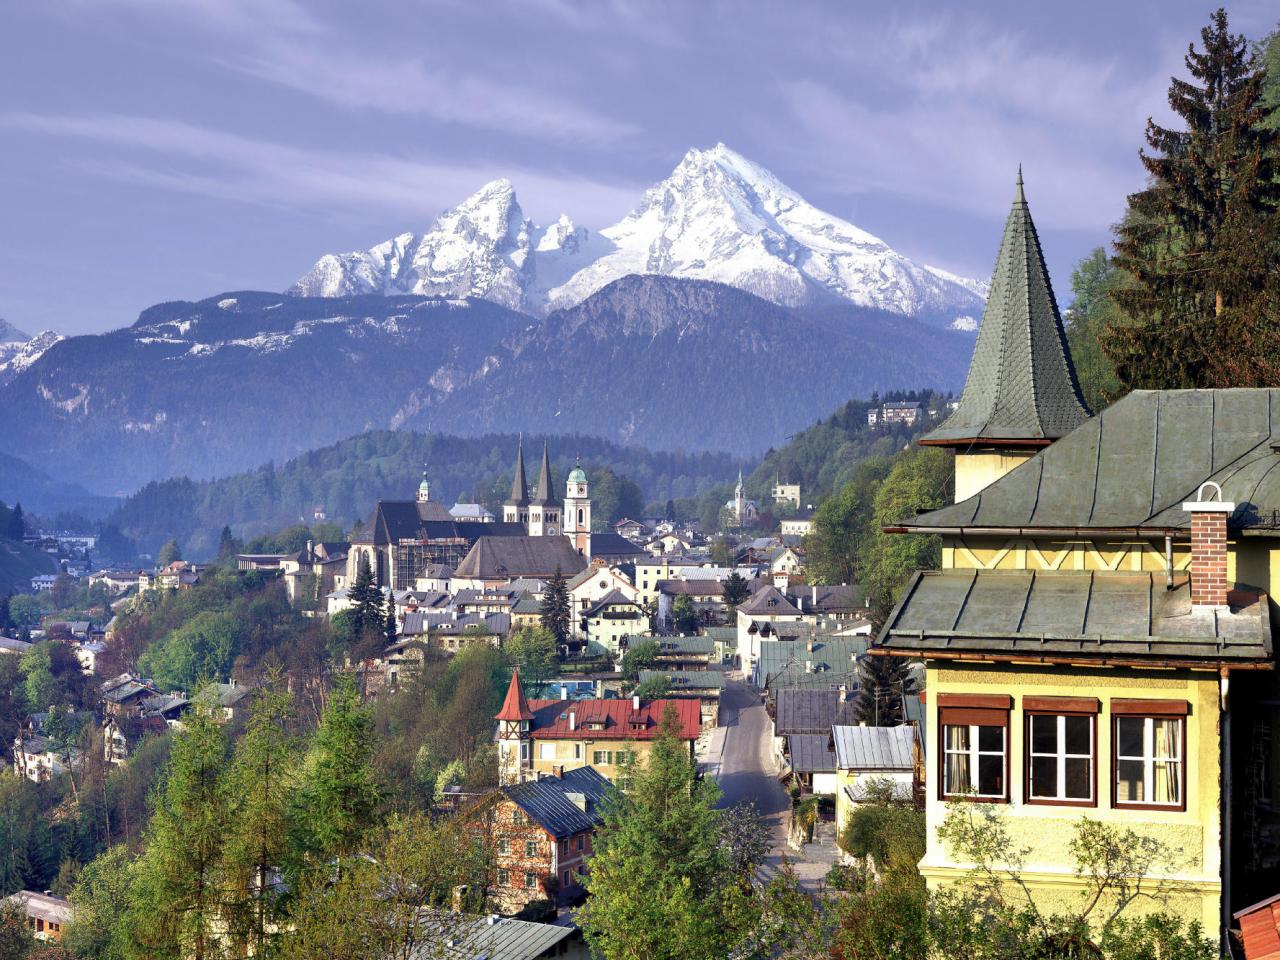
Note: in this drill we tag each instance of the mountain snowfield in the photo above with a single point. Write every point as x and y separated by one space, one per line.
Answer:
19 350
718 217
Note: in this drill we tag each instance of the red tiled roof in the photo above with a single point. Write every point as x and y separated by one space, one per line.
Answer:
515 707
621 721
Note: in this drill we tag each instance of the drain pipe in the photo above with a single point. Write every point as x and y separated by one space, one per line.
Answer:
1168 562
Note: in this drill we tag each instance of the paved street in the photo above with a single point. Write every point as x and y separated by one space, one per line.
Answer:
739 754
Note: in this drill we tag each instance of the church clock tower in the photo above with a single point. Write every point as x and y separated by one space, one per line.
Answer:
577 510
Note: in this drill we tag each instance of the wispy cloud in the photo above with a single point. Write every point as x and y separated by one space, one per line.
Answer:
286 16
192 159
410 87
950 107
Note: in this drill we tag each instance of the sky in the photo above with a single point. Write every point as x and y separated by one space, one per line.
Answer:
155 150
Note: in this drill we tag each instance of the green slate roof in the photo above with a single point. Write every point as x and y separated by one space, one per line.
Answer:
1021 614
1021 384
1132 466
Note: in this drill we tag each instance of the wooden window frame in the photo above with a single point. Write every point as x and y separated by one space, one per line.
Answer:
1059 707
963 709
1151 710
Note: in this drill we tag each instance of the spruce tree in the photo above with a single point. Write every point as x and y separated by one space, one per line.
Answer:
260 782
557 615
227 548
366 600
389 622
175 896
883 682
17 525
1200 244
663 882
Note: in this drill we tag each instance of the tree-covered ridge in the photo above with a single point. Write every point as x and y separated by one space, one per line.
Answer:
823 458
346 478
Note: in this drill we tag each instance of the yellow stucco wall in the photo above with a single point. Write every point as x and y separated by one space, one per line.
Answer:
1193 883
978 469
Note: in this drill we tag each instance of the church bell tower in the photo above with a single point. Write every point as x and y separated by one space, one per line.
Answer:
577 510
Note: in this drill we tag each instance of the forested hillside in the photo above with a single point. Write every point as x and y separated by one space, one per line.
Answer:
823 457
346 478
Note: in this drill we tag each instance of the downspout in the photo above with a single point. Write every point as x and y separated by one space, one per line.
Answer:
1168 563
1224 786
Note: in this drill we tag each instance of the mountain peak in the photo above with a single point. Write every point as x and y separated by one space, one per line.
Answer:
11 334
719 216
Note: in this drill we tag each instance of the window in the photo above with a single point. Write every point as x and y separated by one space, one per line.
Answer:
504 877
580 844
577 751
1061 749
518 817
546 751
502 845
602 757
531 848
975 746
1149 737
568 878
530 881
564 848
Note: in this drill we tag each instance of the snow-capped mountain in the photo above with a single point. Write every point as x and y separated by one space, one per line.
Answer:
484 247
19 351
717 217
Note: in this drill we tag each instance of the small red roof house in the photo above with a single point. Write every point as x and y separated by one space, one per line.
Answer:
551 736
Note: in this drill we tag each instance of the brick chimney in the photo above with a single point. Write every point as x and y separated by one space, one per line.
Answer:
1209 546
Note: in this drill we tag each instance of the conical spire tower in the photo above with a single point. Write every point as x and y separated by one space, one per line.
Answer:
1021 393
545 496
1021 389
519 485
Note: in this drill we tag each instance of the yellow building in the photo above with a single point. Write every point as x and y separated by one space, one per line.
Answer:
547 737
1098 642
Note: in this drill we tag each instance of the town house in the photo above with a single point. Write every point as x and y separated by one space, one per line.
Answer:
545 736
539 835
1098 640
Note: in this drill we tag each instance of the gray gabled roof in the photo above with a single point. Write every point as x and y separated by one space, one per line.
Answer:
512 557
548 804
1021 384
811 753
1115 617
686 679
808 710
873 748
1132 466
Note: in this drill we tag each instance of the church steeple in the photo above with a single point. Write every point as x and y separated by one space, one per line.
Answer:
545 494
1021 393
516 509
544 508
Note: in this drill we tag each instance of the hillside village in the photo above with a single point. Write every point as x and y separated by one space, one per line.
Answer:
996 681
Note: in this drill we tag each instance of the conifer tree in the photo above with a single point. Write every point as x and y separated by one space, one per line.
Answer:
227 548
663 883
17 524
735 589
557 615
883 682
366 600
174 898
389 622
169 552
260 782
1200 244
338 797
